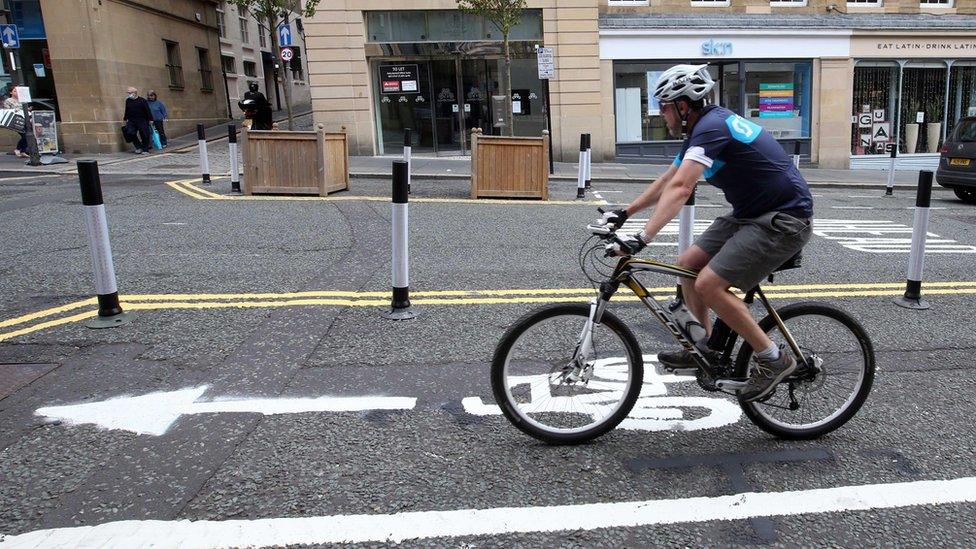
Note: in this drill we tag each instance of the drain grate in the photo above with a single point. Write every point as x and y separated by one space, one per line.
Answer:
14 377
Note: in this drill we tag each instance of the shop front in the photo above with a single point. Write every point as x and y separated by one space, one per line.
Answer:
909 92
766 77
436 72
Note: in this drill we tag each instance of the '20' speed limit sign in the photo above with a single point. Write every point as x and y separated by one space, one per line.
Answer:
287 54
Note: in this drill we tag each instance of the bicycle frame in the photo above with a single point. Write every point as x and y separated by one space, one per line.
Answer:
623 274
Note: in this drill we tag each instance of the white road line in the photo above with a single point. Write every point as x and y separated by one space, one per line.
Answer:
501 520
852 207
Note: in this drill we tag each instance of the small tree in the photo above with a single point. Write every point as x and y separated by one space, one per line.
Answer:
275 12
505 14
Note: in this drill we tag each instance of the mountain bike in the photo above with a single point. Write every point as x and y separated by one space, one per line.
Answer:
569 373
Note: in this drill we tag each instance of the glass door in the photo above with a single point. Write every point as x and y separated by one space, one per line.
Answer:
447 107
404 102
479 80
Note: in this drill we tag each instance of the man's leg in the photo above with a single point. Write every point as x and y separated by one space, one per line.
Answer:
695 258
162 132
714 291
145 134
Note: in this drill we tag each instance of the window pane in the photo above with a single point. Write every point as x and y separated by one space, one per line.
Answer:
529 29
397 26
454 25
778 98
962 92
228 64
922 105
875 102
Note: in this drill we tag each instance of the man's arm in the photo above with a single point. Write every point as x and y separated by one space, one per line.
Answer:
673 195
652 193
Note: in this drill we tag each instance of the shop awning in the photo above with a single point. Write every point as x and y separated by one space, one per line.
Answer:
867 21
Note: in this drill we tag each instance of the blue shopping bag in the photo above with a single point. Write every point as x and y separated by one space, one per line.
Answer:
156 143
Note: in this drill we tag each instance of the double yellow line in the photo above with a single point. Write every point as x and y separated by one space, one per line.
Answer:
189 188
86 309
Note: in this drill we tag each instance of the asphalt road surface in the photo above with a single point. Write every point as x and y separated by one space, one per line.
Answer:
267 402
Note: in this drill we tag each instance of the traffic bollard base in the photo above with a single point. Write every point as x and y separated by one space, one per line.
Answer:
580 194
399 314
918 304
889 192
101 322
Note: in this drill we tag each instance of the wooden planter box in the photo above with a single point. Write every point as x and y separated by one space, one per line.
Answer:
509 167
279 162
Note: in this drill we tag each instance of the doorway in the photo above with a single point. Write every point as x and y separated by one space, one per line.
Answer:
440 99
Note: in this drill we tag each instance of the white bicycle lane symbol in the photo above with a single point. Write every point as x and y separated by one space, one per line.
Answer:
653 411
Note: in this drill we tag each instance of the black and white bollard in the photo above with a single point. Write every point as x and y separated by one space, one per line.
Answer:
407 146
890 187
235 169
589 161
796 154
400 306
202 147
686 224
109 310
581 175
916 259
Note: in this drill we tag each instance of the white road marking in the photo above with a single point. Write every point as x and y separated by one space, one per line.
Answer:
155 413
394 528
882 237
653 411
852 207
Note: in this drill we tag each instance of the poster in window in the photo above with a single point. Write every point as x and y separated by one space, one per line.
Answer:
653 105
519 97
776 100
399 78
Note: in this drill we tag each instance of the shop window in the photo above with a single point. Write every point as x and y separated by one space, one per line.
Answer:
250 68
638 114
962 91
777 97
874 108
445 26
206 73
923 90
173 64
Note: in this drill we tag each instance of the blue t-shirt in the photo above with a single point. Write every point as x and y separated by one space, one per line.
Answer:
748 164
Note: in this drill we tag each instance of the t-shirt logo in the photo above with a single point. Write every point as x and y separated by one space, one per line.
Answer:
742 130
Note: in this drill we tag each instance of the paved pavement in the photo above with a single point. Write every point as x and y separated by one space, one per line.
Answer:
248 315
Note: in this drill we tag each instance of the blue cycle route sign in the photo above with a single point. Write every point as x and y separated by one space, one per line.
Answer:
284 35
9 36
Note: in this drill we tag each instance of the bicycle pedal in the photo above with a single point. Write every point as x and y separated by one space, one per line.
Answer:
730 385
681 371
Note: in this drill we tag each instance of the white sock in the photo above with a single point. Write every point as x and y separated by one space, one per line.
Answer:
770 354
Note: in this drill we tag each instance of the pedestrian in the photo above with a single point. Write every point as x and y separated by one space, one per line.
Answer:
263 116
138 118
13 103
159 114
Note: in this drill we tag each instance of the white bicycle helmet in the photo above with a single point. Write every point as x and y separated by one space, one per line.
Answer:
691 81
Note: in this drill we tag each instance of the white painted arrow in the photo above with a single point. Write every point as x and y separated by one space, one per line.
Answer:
155 413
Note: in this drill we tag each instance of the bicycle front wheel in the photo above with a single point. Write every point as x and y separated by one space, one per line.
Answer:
561 387
830 388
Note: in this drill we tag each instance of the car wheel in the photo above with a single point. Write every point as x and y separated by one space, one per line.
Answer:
966 195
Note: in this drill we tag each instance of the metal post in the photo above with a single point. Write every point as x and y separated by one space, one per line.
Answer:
796 154
235 169
106 289
589 158
202 147
686 227
407 147
916 260
581 175
549 126
400 306
890 187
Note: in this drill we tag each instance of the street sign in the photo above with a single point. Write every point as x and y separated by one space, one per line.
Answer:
10 36
287 54
547 63
284 35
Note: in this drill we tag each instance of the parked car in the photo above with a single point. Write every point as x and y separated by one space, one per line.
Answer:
957 163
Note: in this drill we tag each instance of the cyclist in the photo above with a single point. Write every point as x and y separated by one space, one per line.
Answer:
770 220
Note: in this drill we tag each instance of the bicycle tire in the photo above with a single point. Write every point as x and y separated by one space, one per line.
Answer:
753 410
536 317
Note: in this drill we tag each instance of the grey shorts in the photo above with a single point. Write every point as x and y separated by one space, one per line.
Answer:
745 251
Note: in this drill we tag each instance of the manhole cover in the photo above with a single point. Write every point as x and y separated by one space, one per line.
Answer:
13 377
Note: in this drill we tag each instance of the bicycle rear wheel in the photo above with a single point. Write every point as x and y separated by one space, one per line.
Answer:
558 390
826 392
